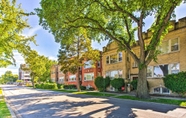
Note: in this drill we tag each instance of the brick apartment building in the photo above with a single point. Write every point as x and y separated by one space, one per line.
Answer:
87 74
171 60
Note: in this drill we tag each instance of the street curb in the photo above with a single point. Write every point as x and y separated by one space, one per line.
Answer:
14 113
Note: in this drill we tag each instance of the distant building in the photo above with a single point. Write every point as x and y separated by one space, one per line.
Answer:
88 73
24 73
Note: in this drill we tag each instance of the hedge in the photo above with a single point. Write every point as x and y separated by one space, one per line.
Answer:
176 82
46 86
70 86
117 83
102 83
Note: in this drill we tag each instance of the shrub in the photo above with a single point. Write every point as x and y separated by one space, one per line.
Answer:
83 87
91 89
69 86
59 86
102 83
176 82
117 83
46 86
134 84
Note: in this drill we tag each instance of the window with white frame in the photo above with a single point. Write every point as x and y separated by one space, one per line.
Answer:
169 46
114 74
161 90
88 64
72 78
61 79
134 65
174 68
162 70
114 58
89 76
174 45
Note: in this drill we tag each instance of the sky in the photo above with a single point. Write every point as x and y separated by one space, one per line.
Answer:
46 44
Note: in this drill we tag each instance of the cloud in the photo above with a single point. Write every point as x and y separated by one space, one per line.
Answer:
52 58
32 31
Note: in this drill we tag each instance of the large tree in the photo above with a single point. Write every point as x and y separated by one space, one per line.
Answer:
12 23
115 19
73 54
8 76
39 66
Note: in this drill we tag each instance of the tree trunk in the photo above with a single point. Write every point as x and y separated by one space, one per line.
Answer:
142 89
78 81
32 77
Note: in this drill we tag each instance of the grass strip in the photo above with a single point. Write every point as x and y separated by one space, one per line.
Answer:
157 100
87 93
4 111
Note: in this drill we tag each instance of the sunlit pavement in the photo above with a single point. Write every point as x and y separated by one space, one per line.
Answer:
33 103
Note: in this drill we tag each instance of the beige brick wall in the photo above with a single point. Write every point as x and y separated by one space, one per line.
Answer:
113 49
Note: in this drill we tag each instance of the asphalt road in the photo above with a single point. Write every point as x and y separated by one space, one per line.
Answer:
33 103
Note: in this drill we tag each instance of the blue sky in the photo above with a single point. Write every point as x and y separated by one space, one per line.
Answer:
46 43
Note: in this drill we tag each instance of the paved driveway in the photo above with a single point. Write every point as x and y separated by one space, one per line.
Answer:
32 103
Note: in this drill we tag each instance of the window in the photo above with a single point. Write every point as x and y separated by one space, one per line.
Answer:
99 64
175 68
89 76
161 90
174 44
114 74
134 65
149 71
169 46
107 60
72 78
162 70
113 58
61 79
88 64
164 48
120 56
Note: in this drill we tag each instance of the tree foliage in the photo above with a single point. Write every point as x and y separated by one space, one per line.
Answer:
176 82
102 83
8 76
39 66
116 20
117 83
12 23
74 52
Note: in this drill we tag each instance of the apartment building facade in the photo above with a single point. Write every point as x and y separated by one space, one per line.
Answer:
115 63
88 73
171 60
24 73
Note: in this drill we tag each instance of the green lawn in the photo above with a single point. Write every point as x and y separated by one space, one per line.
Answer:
87 93
157 100
4 112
